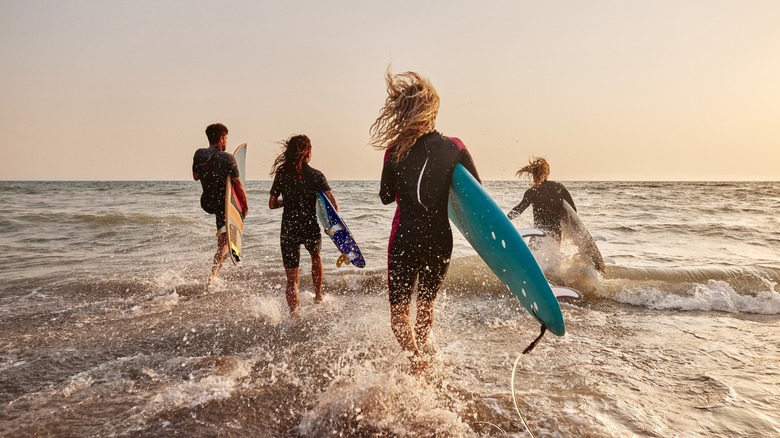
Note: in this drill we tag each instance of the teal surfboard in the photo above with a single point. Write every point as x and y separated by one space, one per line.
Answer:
497 241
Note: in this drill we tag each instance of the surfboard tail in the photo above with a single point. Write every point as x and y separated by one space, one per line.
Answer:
235 254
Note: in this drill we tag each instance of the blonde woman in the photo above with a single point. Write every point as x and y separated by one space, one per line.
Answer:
546 197
418 167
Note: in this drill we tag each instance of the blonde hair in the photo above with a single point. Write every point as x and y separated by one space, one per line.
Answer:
410 111
538 169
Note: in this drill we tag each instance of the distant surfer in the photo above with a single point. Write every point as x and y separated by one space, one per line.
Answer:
295 189
212 166
546 197
417 172
550 211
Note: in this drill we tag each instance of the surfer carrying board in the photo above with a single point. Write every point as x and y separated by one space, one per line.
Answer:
545 196
295 190
417 172
212 166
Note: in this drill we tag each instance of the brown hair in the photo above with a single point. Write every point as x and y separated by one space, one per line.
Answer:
538 169
409 112
295 150
215 131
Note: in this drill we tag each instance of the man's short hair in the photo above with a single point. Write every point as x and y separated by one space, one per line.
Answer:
215 131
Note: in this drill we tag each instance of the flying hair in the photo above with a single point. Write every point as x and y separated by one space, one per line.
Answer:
537 169
295 150
409 112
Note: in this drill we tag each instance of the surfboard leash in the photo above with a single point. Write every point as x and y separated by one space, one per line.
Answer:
529 348
514 372
514 397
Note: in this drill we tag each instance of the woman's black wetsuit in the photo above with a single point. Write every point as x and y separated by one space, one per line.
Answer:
299 217
421 239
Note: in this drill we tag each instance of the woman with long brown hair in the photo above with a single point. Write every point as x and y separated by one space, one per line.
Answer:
417 172
295 189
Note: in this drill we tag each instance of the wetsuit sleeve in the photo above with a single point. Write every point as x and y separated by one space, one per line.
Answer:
387 187
198 163
465 158
321 183
468 163
520 208
276 189
233 167
567 197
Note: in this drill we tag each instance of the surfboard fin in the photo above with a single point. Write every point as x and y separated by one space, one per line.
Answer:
565 292
342 259
529 232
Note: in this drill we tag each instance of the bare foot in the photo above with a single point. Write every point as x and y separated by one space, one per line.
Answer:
428 350
419 364
319 298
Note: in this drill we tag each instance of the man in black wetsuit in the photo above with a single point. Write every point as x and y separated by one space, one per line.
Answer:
546 197
212 166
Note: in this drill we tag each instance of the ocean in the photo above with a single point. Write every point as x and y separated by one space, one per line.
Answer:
106 328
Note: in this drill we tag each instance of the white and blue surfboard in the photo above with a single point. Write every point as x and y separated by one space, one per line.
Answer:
338 232
501 246
575 230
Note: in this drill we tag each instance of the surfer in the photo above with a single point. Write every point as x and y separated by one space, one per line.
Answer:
295 190
417 171
546 197
212 166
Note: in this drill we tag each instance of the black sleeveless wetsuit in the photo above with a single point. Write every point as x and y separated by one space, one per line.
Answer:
421 238
548 208
299 216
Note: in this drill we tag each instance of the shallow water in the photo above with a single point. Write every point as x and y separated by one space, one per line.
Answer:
106 330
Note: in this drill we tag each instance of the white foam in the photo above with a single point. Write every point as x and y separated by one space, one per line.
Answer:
391 402
159 304
196 392
269 308
715 295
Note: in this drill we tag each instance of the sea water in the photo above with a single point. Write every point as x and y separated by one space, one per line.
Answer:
106 328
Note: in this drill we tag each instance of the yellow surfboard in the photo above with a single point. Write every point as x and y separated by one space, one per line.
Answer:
234 210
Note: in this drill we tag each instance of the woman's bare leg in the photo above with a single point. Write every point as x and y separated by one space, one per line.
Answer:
291 292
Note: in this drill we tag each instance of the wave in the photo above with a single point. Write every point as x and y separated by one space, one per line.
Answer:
734 289
133 219
752 289
745 278
724 289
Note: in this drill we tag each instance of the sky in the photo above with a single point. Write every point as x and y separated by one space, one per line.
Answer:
661 90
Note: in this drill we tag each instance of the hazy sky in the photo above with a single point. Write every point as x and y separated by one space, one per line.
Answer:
605 90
